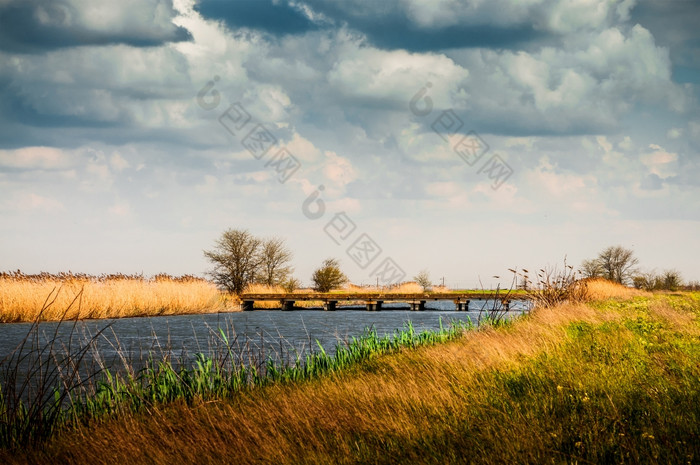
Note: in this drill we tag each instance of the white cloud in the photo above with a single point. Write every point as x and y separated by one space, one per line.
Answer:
560 16
36 158
604 143
660 162
395 76
626 143
526 142
32 201
303 148
340 105
118 163
338 171
674 133
136 19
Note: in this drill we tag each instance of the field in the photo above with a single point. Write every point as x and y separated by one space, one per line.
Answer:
609 381
22 296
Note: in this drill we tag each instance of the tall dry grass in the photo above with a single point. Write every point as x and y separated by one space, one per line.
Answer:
409 287
255 288
602 289
110 296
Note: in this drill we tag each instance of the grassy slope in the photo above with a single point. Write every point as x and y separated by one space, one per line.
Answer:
605 382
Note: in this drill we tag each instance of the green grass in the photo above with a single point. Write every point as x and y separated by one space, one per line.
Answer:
632 395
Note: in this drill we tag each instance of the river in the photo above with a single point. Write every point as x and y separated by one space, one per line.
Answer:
259 334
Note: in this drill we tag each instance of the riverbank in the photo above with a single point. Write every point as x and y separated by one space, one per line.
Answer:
67 296
607 381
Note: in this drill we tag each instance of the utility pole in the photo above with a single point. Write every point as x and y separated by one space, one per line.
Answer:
443 281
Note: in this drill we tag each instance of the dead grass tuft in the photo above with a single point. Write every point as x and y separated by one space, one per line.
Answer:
602 289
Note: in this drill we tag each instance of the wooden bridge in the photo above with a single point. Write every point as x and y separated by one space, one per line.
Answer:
375 300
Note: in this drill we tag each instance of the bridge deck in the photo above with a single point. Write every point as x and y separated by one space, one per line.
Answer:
386 297
375 300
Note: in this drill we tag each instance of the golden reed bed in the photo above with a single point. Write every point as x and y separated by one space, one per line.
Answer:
70 296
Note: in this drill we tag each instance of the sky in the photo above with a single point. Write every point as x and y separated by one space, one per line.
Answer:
465 137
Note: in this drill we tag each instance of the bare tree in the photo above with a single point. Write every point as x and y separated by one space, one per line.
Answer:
291 284
328 276
647 281
274 262
423 279
672 280
591 268
618 264
236 259
669 280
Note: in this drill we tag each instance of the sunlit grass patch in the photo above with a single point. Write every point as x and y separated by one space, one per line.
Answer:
602 289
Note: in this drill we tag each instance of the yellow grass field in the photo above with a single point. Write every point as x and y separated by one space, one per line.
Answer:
70 296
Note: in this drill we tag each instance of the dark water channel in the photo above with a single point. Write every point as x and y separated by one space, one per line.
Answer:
255 335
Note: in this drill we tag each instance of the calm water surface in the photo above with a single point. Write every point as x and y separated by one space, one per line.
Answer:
273 333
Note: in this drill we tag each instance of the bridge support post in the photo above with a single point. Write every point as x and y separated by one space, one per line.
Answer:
506 305
459 305
287 305
374 306
329 305
418 305
247 305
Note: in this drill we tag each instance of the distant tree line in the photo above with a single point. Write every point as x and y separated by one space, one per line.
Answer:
651 281
239 259
619 264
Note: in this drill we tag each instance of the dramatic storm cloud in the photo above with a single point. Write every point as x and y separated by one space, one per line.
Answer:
466 137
